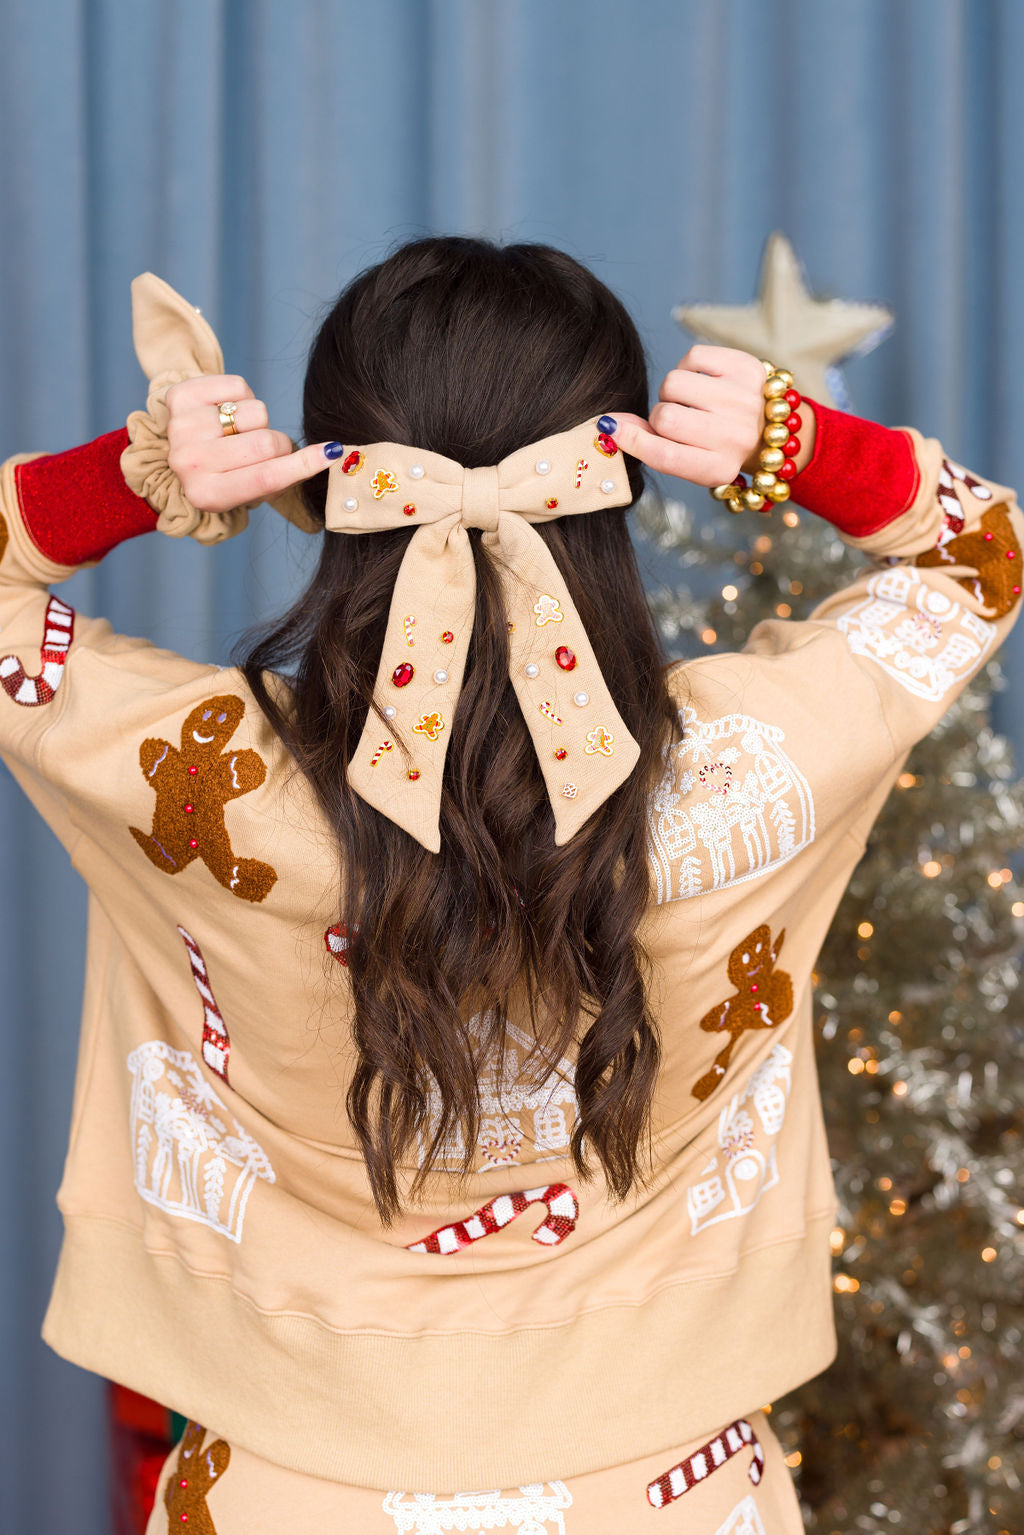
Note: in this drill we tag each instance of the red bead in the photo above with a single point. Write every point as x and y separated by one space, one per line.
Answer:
753 985
447 637
193 843
565 658
794 423
193 770
787 471
989 537
183 1482
561 753
791 398
413 773
757 1007
791 447
184 1518
189 809
1011 554
740 481
402 674
1016 591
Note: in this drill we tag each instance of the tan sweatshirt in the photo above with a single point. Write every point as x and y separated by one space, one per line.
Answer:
222 1253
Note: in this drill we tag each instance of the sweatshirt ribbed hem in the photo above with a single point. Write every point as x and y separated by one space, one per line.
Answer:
455 1409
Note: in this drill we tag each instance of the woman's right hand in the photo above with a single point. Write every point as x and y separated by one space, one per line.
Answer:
219 472
708 421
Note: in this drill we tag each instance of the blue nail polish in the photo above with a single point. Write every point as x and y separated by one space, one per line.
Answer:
607 424
333 450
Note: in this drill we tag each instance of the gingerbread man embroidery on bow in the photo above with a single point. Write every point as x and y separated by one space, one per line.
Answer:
189 1484
764 997
192 786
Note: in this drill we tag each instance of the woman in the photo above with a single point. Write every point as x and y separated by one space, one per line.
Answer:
452 905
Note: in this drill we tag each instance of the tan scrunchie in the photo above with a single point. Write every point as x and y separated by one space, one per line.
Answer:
583 747
173 342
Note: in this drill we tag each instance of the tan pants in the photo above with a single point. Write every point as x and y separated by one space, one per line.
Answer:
705 1487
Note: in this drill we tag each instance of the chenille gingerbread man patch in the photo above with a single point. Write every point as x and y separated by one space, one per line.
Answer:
992 549
192 785
763 998
189 1484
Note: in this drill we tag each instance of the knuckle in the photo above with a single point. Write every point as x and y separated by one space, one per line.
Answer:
263 444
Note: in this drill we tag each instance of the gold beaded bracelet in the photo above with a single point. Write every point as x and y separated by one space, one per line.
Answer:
776 466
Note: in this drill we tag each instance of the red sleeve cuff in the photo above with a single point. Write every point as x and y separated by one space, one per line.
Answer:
861 476
76 505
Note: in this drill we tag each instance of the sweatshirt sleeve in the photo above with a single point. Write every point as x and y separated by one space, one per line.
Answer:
940 593
67 682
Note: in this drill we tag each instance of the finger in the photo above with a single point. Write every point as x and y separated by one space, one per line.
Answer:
724 362
222 455
634 435
264 481
690 427
209 389
202 424
699 390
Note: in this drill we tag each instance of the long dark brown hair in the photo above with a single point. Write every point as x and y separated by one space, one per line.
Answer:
470 349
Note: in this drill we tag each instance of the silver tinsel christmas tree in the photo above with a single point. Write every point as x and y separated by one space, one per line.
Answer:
919 1423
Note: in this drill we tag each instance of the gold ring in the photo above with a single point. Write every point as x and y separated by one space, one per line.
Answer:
227 417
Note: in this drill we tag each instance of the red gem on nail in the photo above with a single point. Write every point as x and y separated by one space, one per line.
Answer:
447 637
787 471
791 398
565 658
402 674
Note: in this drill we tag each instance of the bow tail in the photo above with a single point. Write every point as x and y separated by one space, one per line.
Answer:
584 750
398 765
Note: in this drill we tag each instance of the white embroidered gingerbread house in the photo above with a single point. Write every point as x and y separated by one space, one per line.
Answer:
746 1148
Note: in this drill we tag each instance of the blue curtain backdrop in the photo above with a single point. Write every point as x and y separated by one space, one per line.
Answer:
257 154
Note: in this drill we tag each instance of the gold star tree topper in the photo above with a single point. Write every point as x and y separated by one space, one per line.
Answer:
809 336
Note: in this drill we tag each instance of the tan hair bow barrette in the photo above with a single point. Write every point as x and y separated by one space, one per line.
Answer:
583 747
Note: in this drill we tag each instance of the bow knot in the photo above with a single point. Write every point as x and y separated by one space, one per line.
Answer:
480 499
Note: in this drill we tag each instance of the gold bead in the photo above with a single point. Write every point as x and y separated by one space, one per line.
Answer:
775 434
781 491
769 367
736 506
772 458
723 492
752 501
776 410
774 387
786 376
765 481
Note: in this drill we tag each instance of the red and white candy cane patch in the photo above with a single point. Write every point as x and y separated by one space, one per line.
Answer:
563 1209
58 632
337 940
216 1044
698 1467
950 502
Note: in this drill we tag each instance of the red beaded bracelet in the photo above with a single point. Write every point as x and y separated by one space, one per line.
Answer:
776 461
